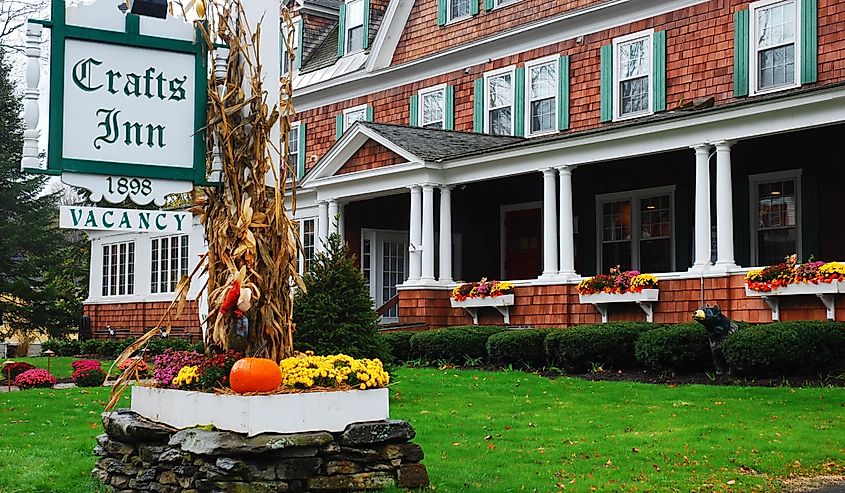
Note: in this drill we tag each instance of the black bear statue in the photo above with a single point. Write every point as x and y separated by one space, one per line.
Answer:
718 328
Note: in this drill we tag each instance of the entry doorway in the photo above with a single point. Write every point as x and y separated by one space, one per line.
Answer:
521 241
384 263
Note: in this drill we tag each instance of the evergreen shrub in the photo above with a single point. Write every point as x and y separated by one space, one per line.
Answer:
609 346
518 348
399 345
682 348
457 345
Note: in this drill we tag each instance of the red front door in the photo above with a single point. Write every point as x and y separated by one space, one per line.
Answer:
523 257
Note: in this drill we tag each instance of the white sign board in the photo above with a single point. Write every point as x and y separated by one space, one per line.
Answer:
122 105
107 219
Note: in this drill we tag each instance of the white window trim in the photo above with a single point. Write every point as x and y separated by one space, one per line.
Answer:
301 266
421 105
297 25
487 76
134 284
752 47
500 4
503 209
150 260
753 182
296 125
617 92
348 27
450 20
377 238
635 196
554 60
354 109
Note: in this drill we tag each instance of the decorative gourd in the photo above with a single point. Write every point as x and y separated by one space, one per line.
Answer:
255 375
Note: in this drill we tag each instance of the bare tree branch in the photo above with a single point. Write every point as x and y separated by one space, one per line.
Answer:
13 17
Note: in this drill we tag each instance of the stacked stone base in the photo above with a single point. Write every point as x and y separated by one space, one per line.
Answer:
137 455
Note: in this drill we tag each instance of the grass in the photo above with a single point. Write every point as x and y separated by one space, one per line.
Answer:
513 431
59 365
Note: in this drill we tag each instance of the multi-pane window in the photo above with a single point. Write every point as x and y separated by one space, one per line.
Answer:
632 75
119 269
354 26
353 115
776 212
309 241
293 149
458 8
367 260
542 97
774 44
504 2
168 262
287 65
499 103
636 231
433 114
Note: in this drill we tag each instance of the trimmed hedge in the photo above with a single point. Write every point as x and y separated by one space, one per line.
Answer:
453 345
610 346
786 348
111 348
682 348
399 345
518 348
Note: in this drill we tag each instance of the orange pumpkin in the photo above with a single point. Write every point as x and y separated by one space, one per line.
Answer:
255 375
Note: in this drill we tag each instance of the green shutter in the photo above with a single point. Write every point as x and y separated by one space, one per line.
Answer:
449 123
366 33
658 68
607 83
341 30
488 5
741 48
338 126
519 102
809 41
478 106
300 165
563 93
368 115
413 119
299 29
473 7
441 12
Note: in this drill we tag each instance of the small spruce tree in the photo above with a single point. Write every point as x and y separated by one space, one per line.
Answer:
336 313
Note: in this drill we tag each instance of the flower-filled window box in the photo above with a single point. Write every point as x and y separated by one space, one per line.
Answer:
792 278
620 287
474 295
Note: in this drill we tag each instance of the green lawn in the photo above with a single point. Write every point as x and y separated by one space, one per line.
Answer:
59 365
512 431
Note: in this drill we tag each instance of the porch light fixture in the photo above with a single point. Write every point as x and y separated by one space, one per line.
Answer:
150 8
49 354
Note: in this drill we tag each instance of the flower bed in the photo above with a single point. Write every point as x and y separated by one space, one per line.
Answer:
791 271
481 289
15 368
35 378
617 282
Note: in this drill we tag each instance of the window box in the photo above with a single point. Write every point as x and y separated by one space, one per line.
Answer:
643 299
824 291
253 415
501 303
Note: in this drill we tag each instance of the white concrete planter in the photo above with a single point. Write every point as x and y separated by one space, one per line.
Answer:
824 291
501 303
253 415
643 299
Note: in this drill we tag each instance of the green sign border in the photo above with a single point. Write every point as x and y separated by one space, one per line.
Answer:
57 163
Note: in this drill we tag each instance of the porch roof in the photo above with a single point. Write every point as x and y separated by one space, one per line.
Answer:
435 144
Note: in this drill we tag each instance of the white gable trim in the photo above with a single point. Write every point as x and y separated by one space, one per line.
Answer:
387 38
352 140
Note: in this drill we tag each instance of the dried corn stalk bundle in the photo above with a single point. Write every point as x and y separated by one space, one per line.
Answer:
253 243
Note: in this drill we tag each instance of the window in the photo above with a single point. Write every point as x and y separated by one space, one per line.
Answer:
352 115
632 75
168 262
542 96
458 9
293 150
635 230
309 241
499 3
775 217
433 114
119 269
354 26
286 63
774 45
498 111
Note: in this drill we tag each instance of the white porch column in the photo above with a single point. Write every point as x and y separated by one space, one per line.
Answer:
702 208
322 226
550 257
427 233
415 249
724 207
333 217
567 230
445 276
341 223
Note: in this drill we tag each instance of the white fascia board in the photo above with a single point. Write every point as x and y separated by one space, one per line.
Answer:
387 38
745 122
317 91
390 180
342 150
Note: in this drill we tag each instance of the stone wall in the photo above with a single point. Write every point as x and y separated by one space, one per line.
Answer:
137 455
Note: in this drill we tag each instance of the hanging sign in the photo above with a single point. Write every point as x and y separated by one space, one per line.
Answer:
123 220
